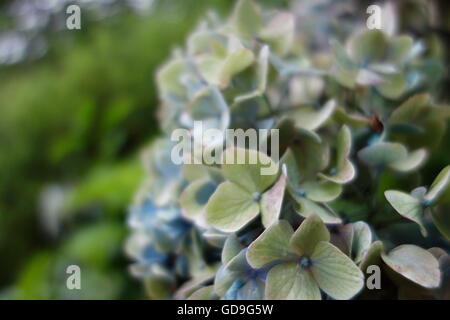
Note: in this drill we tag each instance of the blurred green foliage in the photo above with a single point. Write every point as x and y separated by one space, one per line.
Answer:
75 117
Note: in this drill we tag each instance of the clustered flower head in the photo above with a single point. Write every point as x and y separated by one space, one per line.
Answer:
357 120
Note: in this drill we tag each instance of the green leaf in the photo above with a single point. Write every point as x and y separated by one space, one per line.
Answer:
246 167
288 281
383 153
336 273
308 235
271 245
272 200
231 207
231 248
408 206
415 264
440 188
308 207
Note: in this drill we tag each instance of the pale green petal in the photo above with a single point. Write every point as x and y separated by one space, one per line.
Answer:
394 86
205 293
368 78
252 290
440 185
288 281
337 275
169 77
400 48
261 76
224 279
345 169
346 173
279 32
415 264
367 46
239 262
373 255
408 206
194 198
246 168
308 207
341 57
247 18
235 62
231 207
321 191
441 219
310 156
231 248
410 109
215 238
308 235
383 153
411 162
310 119
272 200
272 245
344 144
362 239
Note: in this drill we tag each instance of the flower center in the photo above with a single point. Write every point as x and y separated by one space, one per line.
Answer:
256 196
427 202
301 193
305 262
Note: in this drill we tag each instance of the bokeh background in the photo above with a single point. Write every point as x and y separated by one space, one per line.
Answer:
76 106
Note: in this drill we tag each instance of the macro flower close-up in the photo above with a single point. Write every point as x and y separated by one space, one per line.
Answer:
224 150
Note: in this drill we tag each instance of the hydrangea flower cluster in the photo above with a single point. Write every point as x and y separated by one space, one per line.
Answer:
357 120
